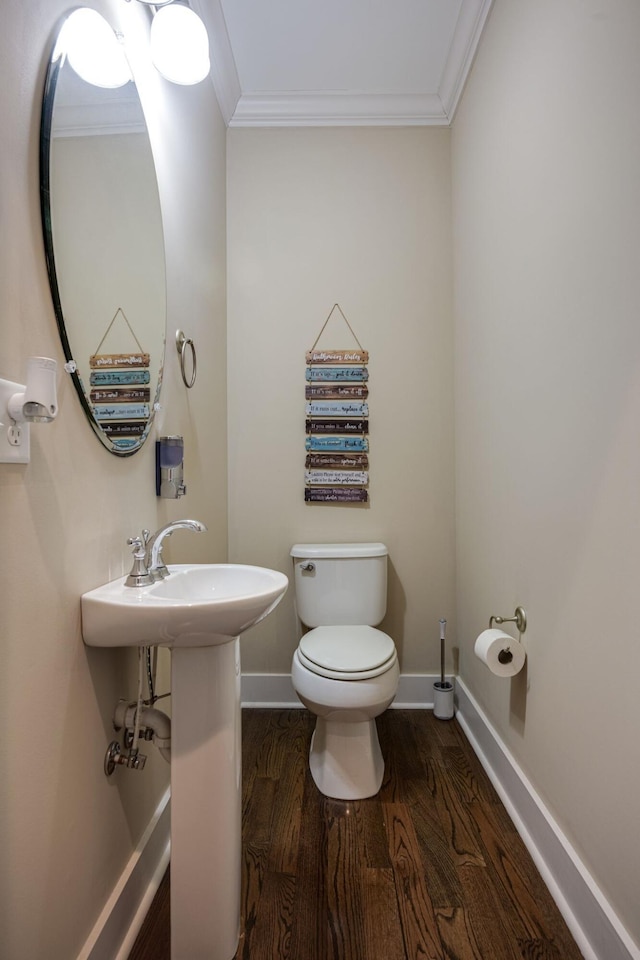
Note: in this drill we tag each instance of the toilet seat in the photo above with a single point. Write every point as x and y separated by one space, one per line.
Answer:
353 652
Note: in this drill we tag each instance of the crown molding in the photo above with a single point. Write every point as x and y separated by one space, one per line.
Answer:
471 21
337 109
105 119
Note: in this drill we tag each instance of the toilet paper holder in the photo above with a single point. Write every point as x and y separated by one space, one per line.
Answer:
520 619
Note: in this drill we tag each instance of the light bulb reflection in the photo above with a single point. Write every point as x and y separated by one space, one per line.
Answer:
180 45
93 49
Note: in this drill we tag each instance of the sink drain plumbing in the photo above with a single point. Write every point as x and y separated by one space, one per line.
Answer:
139 720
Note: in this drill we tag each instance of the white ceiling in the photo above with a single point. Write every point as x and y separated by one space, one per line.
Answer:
341 62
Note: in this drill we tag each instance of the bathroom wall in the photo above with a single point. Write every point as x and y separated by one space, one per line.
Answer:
66 832
546 198
360 217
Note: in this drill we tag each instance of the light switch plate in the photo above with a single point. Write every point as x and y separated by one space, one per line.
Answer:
14 439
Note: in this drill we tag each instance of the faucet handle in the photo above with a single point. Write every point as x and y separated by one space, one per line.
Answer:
139 576
138 545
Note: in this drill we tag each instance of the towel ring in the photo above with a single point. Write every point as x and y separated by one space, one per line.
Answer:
182 342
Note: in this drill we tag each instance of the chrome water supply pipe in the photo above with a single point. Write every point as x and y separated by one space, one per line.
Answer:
136 725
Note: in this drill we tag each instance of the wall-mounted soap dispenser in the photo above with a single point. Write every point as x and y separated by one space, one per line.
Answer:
170 468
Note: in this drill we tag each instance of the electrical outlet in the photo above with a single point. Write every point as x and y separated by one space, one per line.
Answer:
14 437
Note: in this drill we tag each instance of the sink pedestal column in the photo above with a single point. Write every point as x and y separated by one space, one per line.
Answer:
206 802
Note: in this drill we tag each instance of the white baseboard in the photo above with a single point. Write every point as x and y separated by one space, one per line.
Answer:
268 690
118 925
415 691
595 927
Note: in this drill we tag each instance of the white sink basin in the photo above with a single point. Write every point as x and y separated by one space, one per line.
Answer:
198 605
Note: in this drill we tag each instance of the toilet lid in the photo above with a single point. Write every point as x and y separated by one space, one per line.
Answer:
353 652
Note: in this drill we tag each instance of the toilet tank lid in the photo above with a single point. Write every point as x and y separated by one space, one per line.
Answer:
323 551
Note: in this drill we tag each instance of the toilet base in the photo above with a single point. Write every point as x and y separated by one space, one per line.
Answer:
345 759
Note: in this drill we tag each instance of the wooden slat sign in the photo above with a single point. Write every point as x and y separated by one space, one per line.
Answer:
109 377
337 356
121 411
120 394
334 477
337 443
337 424
336 391
337 461
337 373
336 495
123 428
337 408
102 361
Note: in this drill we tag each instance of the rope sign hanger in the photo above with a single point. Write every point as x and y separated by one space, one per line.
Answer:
335 307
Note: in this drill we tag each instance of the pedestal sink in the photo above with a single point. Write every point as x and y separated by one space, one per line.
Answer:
199 611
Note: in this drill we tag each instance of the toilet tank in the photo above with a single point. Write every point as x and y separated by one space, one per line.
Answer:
340 583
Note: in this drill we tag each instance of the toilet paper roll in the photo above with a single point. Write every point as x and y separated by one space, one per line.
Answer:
500 652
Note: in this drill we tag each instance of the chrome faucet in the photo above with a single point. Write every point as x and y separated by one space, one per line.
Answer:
154 562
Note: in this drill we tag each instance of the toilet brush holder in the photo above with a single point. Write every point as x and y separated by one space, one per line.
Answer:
442 689
443 700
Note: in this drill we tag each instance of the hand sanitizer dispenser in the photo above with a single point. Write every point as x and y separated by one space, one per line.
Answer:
170 468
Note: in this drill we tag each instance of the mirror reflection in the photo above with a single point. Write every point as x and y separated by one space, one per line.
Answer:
104 248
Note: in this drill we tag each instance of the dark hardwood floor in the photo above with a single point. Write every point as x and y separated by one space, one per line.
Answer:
430 869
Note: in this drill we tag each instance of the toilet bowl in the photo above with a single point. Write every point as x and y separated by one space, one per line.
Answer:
346 673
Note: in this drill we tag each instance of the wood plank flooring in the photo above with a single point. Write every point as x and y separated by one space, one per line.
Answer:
430 869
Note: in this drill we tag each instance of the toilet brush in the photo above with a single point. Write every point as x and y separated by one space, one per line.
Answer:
442 689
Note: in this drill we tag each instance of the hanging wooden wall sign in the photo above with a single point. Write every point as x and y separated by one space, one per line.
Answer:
337 422
119 394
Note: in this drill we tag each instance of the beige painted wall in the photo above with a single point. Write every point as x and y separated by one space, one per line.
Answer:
66 832
360 217
546 193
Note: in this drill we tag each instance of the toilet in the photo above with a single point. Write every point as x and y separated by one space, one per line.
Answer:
344 670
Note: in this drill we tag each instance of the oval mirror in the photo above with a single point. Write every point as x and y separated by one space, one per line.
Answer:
104 244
